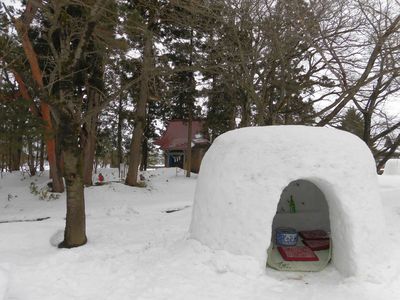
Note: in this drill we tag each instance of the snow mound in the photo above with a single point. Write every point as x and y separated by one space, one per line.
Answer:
392 167
3 283
245 172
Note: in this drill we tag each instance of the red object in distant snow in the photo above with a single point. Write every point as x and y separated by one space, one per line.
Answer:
175 135
317 245
101 177
314 235
297 253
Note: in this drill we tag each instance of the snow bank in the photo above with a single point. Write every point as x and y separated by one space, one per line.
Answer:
392 167
3 283
245 172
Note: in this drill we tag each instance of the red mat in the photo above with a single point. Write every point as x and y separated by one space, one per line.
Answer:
317 245
314 235
297 253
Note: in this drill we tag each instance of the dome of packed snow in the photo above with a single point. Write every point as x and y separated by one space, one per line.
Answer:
254 180
392 167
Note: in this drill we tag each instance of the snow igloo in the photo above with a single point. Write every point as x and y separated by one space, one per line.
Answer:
249 177
392 167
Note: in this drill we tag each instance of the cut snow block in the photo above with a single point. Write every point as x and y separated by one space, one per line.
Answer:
245 171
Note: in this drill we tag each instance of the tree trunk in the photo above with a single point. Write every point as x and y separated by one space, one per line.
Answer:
31 158
55 172
190 112
261 112
367 129
229 90
41 157
134 161
22 26
145 154
24 93
140 117
245 108
89 151
189 147
9 160
75 227
90 139
3 163
119 133
15 158
15 151
37 153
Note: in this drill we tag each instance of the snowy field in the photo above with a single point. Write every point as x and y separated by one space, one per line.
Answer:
136 250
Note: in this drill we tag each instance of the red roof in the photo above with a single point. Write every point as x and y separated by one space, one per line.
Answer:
175 136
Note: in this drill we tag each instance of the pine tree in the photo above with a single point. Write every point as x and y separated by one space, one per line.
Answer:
141 25
69 34
353 122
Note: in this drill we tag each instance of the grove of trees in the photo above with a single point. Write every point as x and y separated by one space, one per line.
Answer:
87 82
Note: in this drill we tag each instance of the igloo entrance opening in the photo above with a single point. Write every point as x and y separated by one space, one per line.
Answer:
303 227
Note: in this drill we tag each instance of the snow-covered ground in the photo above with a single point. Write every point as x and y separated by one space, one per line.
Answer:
138 251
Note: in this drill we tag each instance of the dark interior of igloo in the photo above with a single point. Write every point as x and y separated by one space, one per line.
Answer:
300 229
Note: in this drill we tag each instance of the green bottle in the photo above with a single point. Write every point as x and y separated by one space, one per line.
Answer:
292 205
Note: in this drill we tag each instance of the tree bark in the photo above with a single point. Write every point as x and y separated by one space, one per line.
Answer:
22 26
145 154
75 227
245 109
190 112
189 147
15 157
41 157
72 157
56 176
140 117
89 139
119 133
31 158
89 151
367 129
3 163
24 93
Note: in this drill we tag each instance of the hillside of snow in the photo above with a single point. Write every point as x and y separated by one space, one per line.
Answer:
138 248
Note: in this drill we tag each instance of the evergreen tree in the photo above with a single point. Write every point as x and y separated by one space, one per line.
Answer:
141 25
353 122
183 35
70 35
